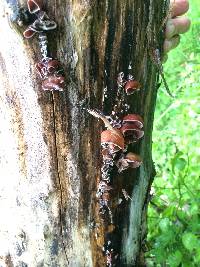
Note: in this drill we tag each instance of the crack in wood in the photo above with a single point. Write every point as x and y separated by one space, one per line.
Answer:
61 213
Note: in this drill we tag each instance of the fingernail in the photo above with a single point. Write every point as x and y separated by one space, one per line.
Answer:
172 43
167 46
170 29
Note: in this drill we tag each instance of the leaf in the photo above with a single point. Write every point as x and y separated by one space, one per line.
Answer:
197 256
159 254
178 162
181 164
164 224
165 239
189 241
169 211
175 259
194 209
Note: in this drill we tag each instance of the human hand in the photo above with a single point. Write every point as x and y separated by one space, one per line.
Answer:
176 25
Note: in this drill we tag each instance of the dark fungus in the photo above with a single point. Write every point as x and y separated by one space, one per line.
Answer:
34 5
121 130
132 86
49 69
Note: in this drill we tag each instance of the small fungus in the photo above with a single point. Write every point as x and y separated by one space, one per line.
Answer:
52 83
47 66
132 86
131 132
113 140
135 119
34 5
53 65
122 164
41 69
133 160
29 33
132 125
40 25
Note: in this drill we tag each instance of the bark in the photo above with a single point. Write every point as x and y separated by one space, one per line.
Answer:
49 145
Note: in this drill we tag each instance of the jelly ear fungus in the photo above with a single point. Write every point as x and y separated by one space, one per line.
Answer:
122 130
49 69
34 5
99 37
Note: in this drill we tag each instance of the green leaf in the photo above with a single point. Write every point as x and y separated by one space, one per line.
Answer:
194 209
164 224
197 256
174 160
175 259
181 164
189 241
178 162
169 211
165 239
159 254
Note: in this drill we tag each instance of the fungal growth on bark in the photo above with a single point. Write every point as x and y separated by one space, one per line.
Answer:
122 130
49 69
77 204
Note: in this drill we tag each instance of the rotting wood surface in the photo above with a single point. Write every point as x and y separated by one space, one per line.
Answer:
49 146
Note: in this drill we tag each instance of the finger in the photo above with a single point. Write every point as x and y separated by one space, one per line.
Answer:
177 26
179 7
172 43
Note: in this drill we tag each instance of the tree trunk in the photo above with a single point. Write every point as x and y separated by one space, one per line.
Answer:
50 146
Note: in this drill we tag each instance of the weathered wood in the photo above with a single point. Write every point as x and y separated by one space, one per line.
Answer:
49 146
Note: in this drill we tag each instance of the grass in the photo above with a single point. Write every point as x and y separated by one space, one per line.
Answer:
174 211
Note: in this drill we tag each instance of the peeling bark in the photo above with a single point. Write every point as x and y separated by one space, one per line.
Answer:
49 146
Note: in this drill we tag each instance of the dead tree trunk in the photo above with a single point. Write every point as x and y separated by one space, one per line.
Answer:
49 145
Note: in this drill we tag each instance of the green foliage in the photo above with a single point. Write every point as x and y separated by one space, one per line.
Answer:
174 211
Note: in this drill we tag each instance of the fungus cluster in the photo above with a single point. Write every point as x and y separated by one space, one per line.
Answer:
114 146
49 69
122 129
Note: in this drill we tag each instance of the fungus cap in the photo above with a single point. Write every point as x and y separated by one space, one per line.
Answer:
34 6
133 160
131 131
53 65
114 140
54 83
132 86
29 33
41 69
134 118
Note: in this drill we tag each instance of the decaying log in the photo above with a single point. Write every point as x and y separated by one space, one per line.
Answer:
50 146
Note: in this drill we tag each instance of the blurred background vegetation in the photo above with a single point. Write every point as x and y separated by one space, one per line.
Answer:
174 210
